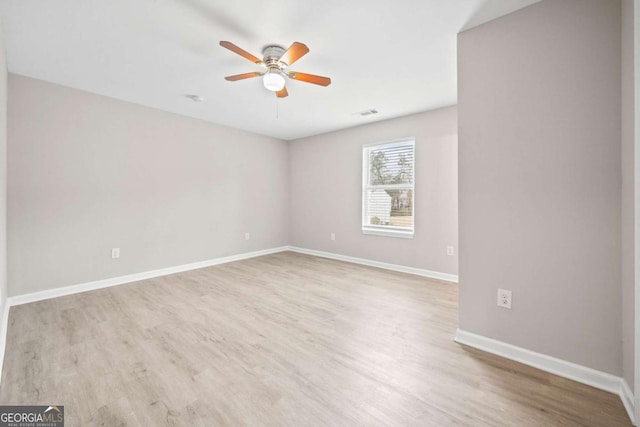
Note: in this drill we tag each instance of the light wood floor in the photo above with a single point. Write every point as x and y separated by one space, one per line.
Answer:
284 339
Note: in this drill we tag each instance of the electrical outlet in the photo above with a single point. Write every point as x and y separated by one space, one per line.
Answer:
247 236
333 236
115 253
450 250
504 298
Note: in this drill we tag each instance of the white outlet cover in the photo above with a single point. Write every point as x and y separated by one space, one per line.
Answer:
247 236
115 253
504 298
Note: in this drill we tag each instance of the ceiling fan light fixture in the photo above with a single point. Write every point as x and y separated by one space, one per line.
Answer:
273 81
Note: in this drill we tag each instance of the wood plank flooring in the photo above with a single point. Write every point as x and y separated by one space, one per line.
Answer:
280 340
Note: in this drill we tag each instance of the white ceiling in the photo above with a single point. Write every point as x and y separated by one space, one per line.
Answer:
398 57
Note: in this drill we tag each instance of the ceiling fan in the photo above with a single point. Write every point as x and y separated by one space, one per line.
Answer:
276 62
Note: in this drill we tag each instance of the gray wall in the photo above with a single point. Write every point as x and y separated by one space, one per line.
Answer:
628 192
3 174
326 192
89 173
539 159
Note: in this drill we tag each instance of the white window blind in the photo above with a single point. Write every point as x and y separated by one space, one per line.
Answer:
388 188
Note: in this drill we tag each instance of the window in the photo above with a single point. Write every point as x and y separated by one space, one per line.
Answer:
388 188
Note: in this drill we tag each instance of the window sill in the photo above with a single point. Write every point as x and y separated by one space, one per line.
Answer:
388 233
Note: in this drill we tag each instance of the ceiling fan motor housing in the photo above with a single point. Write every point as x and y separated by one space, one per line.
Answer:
271 57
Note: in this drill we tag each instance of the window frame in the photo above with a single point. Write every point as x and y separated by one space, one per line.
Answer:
387 230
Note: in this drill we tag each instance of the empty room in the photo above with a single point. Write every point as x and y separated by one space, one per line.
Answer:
296 213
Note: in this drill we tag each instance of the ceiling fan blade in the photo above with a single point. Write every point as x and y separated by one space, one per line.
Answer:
296 51
310 78
282 93
243 76
233 48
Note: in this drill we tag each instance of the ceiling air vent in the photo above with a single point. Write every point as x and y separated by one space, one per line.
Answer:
195 98
366 112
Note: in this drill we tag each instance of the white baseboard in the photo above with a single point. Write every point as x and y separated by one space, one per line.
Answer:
384 265
105 283
628 400
562 368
